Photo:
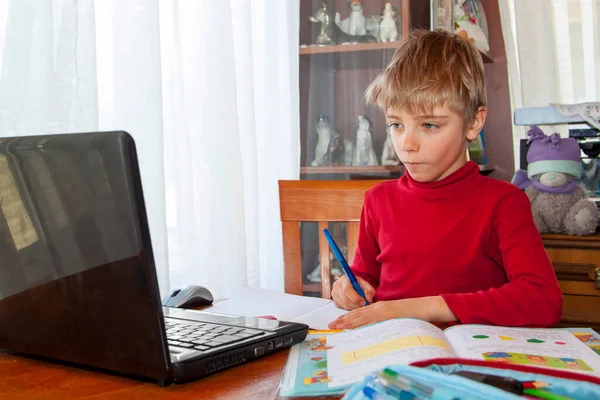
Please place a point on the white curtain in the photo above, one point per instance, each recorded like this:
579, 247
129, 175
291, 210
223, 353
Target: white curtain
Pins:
208, 89
553, 53
232, 123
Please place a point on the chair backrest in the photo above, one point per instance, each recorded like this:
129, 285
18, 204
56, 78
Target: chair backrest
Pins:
319, 201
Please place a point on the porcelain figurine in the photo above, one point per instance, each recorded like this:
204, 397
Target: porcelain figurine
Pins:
442, 15
322, 16
388, 155
348, 152
363, 151
335, 151
388, 31
331, 33
340, 151
372, 25
467, 28
336, 269
355, 24
323, 131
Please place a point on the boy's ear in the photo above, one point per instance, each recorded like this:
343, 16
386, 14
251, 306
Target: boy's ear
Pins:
477, 124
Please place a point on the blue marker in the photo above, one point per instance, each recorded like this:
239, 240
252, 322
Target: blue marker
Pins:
373, 394
344, 264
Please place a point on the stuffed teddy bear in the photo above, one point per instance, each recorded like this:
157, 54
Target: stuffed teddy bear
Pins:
558, 203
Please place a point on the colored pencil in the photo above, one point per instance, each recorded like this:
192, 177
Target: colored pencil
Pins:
534, 385
543, 394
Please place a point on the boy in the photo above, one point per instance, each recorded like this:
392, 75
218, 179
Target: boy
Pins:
443, 243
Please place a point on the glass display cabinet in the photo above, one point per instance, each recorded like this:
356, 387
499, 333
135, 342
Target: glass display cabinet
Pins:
344, 45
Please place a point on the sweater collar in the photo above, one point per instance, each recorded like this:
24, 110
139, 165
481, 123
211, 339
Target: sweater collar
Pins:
454, 185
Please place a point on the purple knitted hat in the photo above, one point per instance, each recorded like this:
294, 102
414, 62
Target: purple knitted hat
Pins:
552, 154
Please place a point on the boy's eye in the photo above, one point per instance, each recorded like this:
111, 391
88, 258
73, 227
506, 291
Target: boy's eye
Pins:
394, 125
429, 126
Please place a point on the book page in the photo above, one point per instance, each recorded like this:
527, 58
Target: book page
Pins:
251, 302
305, 372
551, 348
320, 318
354, 354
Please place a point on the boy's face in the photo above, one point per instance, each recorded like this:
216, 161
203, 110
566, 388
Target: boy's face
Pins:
432, 146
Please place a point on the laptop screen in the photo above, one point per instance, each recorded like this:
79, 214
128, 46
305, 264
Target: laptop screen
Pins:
77, 278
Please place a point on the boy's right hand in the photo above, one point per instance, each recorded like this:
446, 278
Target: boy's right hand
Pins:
344, 296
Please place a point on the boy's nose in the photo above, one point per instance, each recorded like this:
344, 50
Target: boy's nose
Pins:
410, 142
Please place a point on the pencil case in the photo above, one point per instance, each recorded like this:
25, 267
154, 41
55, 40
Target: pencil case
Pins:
437, 374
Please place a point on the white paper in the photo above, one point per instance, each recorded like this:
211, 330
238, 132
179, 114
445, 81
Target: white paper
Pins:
321, 317
557, 349
359, 352
288, 377
249, 302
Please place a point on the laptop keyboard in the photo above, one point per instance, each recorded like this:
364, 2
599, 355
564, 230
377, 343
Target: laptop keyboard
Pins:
205, 336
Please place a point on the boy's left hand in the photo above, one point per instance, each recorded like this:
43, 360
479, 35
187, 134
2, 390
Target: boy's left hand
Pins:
374, 312
426, 308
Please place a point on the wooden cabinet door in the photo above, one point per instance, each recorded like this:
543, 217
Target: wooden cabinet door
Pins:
576, 262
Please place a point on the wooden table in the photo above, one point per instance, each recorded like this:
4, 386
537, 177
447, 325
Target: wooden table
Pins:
25, 378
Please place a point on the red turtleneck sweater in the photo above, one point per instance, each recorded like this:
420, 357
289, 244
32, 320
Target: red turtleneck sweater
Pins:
468, 238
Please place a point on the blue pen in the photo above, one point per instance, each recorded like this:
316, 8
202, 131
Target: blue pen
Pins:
344, 264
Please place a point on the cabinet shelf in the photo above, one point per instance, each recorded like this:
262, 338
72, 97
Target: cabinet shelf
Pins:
343, 48
352, 169
356, 169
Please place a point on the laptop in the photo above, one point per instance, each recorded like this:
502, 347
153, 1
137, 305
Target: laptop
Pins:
77, 276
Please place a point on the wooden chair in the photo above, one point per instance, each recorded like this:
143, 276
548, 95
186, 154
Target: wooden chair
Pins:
322, 202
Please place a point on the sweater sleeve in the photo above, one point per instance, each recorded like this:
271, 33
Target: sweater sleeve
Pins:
532, 295
365, 264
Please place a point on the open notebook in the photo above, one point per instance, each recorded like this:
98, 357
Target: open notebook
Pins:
312, 311
326, 364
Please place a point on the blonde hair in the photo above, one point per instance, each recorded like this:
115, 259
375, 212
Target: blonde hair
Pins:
431, 69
